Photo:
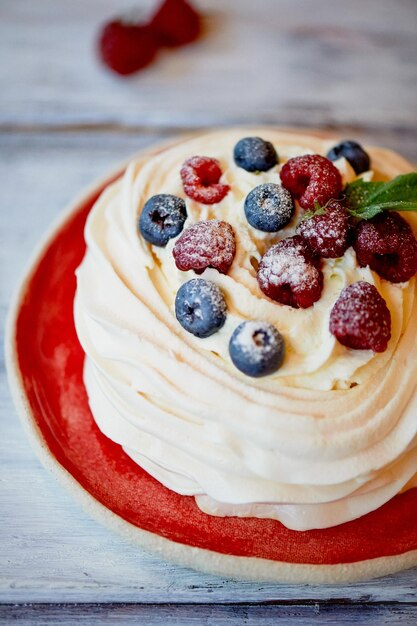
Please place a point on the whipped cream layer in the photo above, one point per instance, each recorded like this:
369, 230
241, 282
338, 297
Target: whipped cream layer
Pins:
329, 437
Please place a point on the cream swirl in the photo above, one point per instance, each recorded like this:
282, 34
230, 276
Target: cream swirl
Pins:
329, 437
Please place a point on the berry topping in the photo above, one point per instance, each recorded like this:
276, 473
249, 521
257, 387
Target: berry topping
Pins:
200, 177
311, 178
327, 234
162, 218
386, 243
290, 273
210, 243
176, 23
254, 154
269, 207
360, 318
353, 153
256, 348
200, 307
125, 47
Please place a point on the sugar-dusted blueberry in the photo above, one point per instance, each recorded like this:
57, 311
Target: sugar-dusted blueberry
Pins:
254, 154
257, 348
269, 207
162, 218
200, 307
353, 153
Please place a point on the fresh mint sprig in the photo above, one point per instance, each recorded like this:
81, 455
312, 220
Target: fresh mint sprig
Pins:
364, 200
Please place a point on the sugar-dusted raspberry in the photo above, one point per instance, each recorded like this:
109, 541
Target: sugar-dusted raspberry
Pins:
290, 273
311, 178
200, 178
125, 47
210, 243
176, 23
360, 318
328, 234
386, 243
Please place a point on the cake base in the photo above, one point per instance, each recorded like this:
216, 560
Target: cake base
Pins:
45, 363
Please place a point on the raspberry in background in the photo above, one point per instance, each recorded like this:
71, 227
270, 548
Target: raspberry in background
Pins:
176, 23
125, 47
360, 318
386, 243
311, 178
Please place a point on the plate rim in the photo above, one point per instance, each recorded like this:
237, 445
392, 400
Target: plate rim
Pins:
243, 568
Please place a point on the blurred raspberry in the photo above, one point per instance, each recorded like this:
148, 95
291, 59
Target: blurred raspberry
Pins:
176, 23
125, 47
360, 318
386, 243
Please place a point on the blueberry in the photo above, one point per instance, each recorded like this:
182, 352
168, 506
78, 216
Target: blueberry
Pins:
256, 348
354, 153
162, 218
200, 307
254, 154
269, 207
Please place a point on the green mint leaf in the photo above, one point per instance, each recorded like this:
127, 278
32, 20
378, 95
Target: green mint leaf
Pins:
358, 193
318, 210
366, 199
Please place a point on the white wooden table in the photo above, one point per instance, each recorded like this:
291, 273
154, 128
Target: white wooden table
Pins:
63, 122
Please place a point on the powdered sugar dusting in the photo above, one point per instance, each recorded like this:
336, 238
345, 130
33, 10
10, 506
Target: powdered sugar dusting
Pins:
386, 243
209, 243
360, 318
289, 274
200, 290
200, 176
311, 178
257, 339
327, 234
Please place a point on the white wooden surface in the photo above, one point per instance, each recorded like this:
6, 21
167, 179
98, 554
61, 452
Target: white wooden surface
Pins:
63, 122
293, 61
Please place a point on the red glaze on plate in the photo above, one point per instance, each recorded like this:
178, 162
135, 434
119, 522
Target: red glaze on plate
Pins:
48, 361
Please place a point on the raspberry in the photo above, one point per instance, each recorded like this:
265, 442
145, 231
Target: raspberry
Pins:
200, 177
386, 243
327, 234
290, 273
311, 178
176, 23
360, 318
210, 243
126, 48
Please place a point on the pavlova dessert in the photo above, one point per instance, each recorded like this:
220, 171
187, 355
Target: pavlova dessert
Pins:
247, 306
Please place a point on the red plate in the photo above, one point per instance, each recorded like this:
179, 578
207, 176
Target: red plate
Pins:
45, 366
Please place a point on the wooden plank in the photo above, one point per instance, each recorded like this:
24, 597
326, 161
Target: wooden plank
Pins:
203, 615
51, 551
280, 62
